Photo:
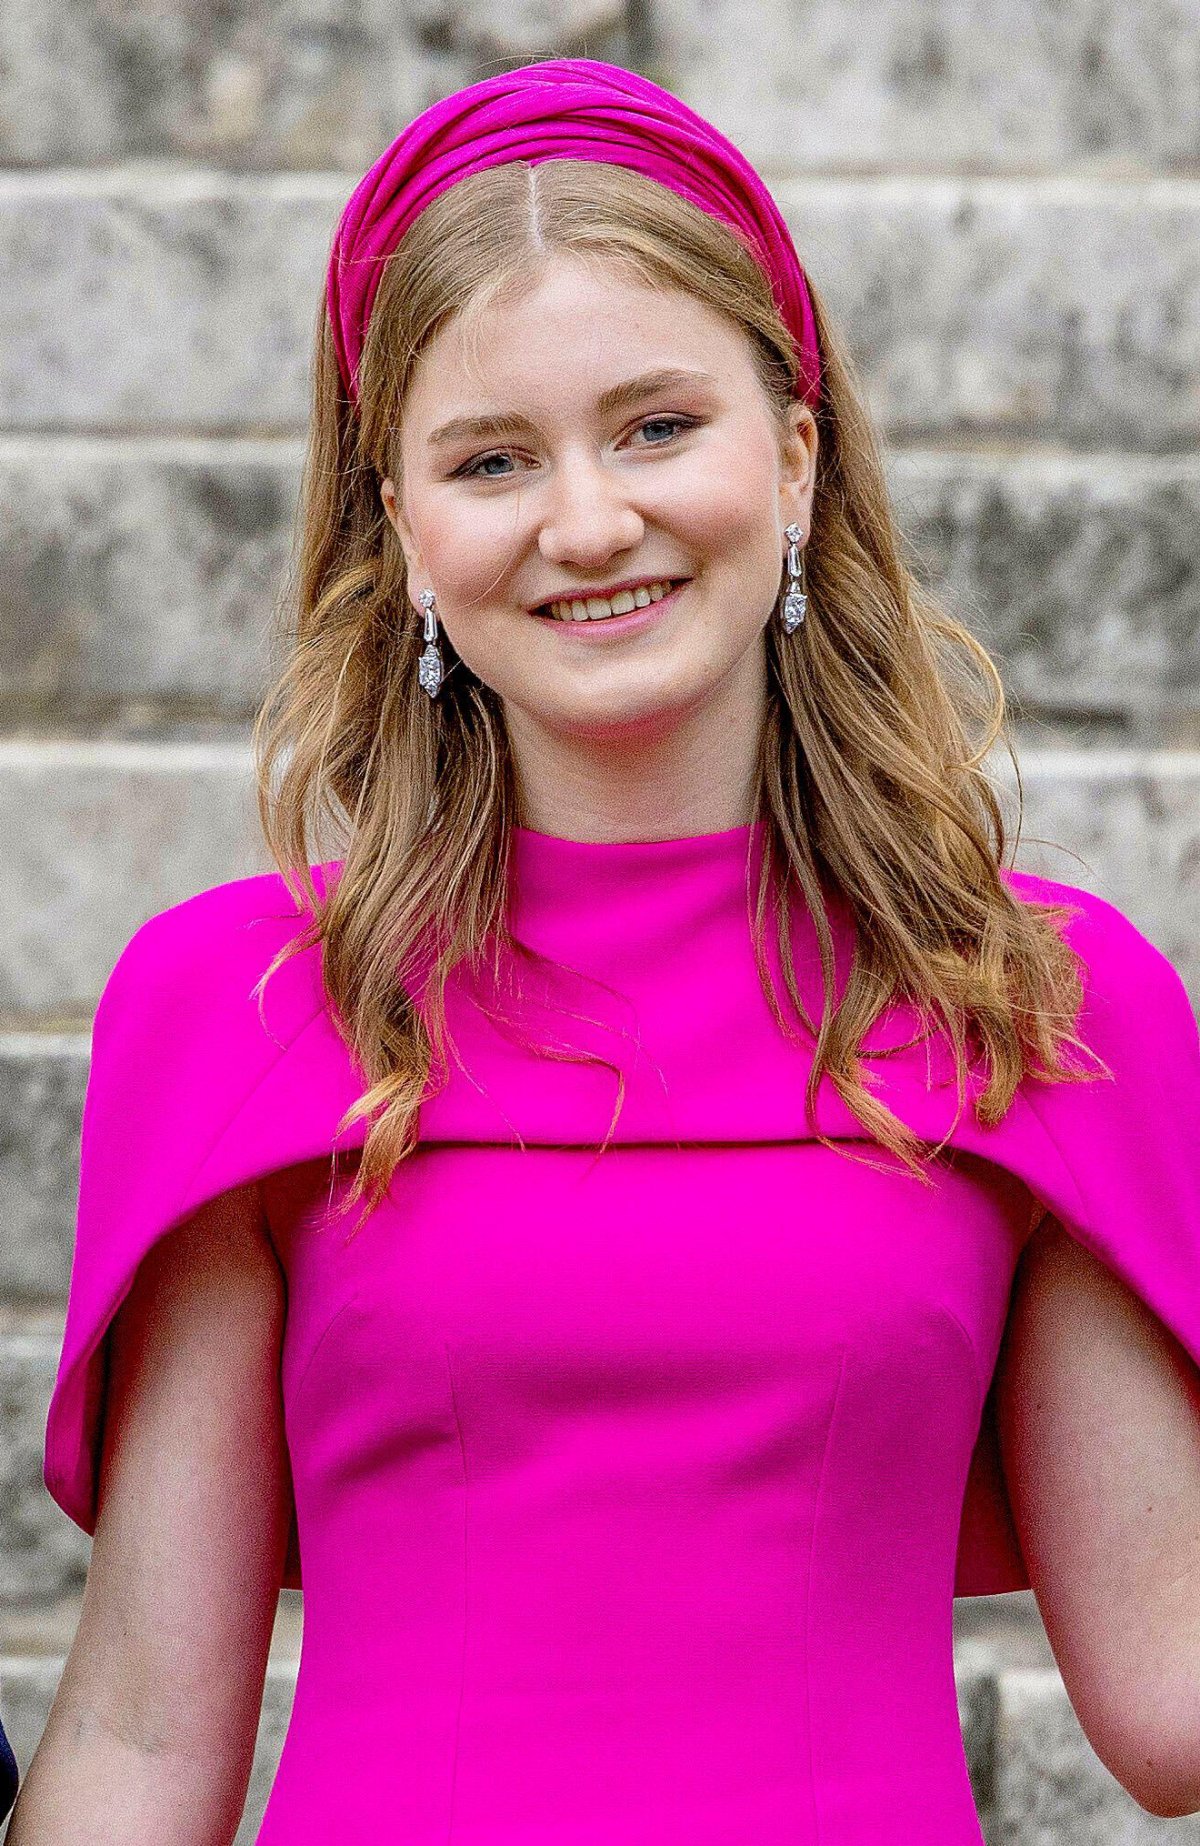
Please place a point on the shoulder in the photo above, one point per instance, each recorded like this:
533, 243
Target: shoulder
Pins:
1117, 956
1130, 985
209, 947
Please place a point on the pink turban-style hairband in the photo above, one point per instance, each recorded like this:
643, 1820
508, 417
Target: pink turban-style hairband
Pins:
564, 109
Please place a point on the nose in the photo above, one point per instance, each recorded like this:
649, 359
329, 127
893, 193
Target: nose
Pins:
589, 516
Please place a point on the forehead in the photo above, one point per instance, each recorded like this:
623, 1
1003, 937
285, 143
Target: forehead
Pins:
567, 336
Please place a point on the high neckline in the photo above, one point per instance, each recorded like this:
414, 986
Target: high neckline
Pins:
535, 839
554, 876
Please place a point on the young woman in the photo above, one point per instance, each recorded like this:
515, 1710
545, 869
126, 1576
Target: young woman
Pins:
665, 1206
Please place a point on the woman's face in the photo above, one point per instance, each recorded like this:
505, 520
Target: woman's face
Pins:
597, 437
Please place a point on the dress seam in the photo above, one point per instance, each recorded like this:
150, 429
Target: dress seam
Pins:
808, 1596
298, 1387
462, 1678
957, 1324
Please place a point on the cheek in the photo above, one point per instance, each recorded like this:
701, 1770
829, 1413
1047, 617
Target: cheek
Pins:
728, 501
469, 552
467, 549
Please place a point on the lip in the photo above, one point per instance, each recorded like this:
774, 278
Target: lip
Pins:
608, 591
612, 627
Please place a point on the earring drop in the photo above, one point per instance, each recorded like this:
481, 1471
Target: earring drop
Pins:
429, 666
795, 601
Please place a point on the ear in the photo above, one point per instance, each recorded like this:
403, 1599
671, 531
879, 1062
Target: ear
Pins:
798, 466
399, 525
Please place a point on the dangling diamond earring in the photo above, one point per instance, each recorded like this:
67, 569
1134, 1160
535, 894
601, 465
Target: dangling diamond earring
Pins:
795, 600
429, 666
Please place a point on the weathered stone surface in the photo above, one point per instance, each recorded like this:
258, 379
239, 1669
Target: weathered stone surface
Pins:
43, 1556
941, 85
1057, 308
194, 298
42, 1079
1007, 1629
99, 837
141, 572
932, 84
142, 575
1079, 573
27, 1687
278, 1695
975, 1683
1126, 826
306, 84
1051, 1787
1013, 308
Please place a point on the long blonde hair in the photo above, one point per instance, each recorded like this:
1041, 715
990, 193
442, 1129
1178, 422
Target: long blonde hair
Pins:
869, 782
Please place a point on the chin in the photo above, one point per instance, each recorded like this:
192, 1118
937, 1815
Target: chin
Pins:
648, 715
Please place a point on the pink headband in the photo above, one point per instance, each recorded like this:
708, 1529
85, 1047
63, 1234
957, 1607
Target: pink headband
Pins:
565, 109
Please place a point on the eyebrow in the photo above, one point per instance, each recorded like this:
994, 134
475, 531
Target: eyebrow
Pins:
617, 397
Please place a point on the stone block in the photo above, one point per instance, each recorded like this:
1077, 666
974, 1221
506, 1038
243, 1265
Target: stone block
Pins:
1018, 310
194, 298
975, 1683
938, 85
43, 1555
141, 577
932, 84
1125, 825
42, 1079
307, 84
1077, 572
104, 835
1057, 309
278, 1696
28, 1683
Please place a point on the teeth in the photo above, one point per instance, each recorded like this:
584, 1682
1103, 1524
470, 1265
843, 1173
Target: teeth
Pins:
597, 608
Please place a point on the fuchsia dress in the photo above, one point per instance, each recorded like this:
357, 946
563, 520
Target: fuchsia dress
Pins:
632, 1491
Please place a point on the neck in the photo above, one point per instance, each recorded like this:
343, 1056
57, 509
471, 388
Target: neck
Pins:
650, 779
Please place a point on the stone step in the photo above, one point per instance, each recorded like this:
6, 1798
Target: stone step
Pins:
101, 835
141, 575
1035, 1778
1086, 85
1055, 309
1041, 89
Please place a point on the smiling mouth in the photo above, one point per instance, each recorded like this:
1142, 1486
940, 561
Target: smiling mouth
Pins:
621, 602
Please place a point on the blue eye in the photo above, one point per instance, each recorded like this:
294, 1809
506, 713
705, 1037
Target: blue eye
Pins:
477, 468
671, 423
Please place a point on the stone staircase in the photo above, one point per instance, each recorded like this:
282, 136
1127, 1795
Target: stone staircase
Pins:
1002, 208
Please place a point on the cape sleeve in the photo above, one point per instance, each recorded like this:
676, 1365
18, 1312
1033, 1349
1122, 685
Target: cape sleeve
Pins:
188, 1095
1117, 1162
